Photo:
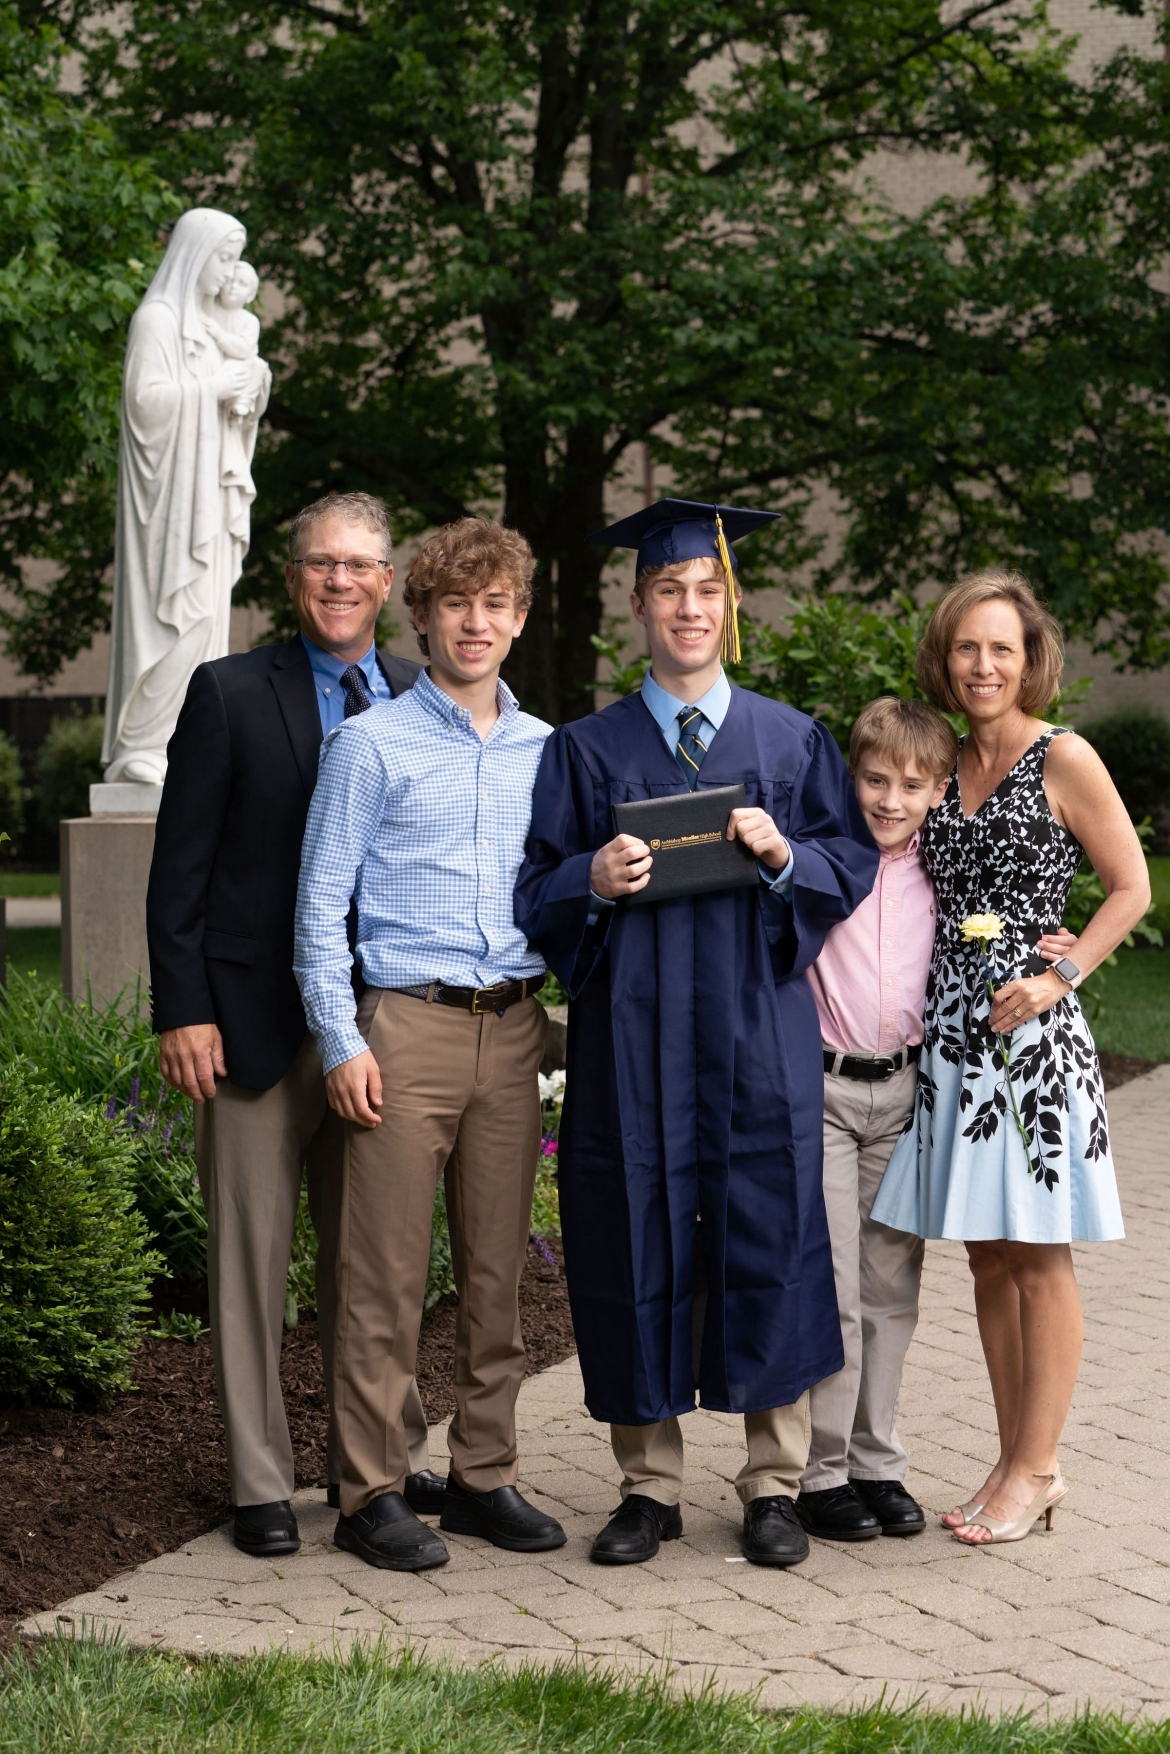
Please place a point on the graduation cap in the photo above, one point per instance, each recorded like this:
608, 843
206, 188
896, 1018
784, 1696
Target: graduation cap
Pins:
676, 530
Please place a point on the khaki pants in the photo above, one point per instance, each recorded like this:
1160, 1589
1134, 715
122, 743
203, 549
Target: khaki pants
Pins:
459, 1092
252, 1147
877, 1272
651, 1456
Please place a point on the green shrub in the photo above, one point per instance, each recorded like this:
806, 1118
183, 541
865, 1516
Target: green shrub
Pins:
75, 1265
11, 795
70, 761
1134, 744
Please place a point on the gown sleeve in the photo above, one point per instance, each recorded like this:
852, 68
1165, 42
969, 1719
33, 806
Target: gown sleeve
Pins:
553, 900
835, 860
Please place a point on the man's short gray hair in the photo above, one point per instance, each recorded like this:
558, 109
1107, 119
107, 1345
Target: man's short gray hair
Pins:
355, 508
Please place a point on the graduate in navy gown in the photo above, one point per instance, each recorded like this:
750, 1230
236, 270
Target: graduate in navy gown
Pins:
696, 1246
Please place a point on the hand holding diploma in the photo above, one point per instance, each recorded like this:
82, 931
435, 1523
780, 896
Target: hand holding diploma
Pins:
621, 867
757, 831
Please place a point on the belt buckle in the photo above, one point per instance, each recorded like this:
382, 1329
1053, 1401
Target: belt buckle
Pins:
883, 1067
476, 1009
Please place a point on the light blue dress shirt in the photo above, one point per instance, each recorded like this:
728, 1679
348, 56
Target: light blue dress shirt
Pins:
327, 673
665, 709
425, 823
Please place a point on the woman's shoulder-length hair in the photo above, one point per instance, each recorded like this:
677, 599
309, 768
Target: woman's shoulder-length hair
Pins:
1043, 640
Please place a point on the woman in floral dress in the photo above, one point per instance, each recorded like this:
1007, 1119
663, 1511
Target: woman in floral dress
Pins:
1014, 1163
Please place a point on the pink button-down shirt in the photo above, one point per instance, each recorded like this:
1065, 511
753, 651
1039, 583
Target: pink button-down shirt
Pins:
869, 981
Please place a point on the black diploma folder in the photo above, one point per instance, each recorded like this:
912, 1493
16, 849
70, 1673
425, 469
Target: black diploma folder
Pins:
687, 836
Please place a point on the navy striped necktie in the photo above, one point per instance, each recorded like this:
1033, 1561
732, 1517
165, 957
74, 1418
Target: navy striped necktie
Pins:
689, 751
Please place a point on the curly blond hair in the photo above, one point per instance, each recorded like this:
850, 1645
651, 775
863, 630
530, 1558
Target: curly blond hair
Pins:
469, 555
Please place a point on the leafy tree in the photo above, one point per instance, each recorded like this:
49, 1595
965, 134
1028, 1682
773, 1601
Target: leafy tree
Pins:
78, 228
517, 238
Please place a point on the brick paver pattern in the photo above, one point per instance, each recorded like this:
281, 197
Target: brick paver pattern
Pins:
1053, 1622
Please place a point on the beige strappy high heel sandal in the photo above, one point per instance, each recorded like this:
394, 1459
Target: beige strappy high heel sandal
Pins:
1023, 1524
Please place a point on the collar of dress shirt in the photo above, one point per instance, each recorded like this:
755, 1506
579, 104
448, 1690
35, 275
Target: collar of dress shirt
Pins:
664, 708
908, 852
436, 700
329, 669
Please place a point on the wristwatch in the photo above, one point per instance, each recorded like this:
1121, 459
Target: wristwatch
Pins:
1068, 972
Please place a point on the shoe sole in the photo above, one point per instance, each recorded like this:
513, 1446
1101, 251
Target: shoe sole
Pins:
454, 1522
269, 1549
350, 1543
774, 1560
908, 1529
631, 1558
859, 1535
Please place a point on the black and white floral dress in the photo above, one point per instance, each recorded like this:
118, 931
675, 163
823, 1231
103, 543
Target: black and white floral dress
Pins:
962, 1168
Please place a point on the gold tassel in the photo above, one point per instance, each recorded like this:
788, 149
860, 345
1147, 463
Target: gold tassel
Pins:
731, 652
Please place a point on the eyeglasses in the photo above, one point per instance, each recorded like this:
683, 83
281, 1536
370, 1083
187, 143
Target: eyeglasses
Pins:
319, 566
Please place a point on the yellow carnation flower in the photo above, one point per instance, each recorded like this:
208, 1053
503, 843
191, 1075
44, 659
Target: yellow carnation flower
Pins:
981, 929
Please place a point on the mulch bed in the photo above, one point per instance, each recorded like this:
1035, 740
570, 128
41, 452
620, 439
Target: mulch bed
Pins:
91, 1492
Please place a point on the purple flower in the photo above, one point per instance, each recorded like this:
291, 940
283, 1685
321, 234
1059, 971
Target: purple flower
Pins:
135, 1090
544, 1251
111, 1108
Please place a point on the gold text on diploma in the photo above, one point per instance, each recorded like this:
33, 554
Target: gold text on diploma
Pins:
686, 840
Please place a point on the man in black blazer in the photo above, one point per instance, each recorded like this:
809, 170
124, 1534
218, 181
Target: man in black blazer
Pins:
242, 765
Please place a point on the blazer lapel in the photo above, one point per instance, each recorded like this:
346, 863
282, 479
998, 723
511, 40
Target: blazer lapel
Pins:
400, 673
292, 678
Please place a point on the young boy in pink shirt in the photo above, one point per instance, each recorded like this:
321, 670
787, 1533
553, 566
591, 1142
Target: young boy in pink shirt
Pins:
869, 983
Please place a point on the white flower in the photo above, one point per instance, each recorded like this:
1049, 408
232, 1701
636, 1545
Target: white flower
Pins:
981, 928
552, 1088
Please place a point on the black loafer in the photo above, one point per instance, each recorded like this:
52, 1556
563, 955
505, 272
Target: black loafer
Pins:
424, 1492
503, 1517
892, 1505
837, 1514
772, 1534
386, 1533
265, 1530
632, 1534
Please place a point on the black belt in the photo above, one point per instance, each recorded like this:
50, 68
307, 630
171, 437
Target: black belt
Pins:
870, 1068
477, 1000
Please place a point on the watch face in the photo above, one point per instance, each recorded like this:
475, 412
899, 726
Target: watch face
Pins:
1068, 971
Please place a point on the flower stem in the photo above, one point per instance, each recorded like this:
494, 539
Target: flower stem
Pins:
1005, 1056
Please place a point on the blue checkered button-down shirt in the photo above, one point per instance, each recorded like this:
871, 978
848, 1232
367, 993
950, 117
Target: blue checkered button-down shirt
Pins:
425, 824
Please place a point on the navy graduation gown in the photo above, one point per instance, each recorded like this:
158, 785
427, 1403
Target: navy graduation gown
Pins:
695, 1080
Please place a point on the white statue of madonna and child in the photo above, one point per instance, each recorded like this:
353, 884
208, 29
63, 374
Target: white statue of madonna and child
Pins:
193, 390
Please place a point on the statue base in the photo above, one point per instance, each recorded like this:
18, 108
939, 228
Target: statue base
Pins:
124, 798
105, 864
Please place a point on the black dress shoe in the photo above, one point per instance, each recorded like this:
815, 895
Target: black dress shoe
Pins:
389, 1535
896, 1511
333, 1497
837, 1514
503, 1517
424, 1492
265, 1530
772, 1534
632, 1534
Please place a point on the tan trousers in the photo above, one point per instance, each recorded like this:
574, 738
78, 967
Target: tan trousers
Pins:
877, 1271
252, 1147
651, 1456
459, 1092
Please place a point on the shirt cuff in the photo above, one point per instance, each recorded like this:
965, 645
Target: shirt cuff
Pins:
341, 1044
780, 882
597, 902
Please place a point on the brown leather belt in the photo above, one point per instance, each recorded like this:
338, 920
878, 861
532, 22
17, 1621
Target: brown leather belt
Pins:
477, 1000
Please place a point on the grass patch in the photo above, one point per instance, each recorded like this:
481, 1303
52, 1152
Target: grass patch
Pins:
107, 1700
45, 882
1136, 999
36, 950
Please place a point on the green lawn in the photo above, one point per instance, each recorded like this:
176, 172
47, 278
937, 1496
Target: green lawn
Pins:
36, 950
45, 882
1160, 884
106, 1700
1136, 999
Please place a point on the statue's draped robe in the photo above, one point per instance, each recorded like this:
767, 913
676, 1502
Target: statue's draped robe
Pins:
695, 1079
183, 508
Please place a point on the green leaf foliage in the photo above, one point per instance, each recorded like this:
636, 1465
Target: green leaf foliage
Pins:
75, 1265
78, 244
1134, 744
69, 761
516, 242
12, 794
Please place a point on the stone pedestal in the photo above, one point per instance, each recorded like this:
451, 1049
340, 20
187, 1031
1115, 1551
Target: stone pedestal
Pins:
124, 798
105, 863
